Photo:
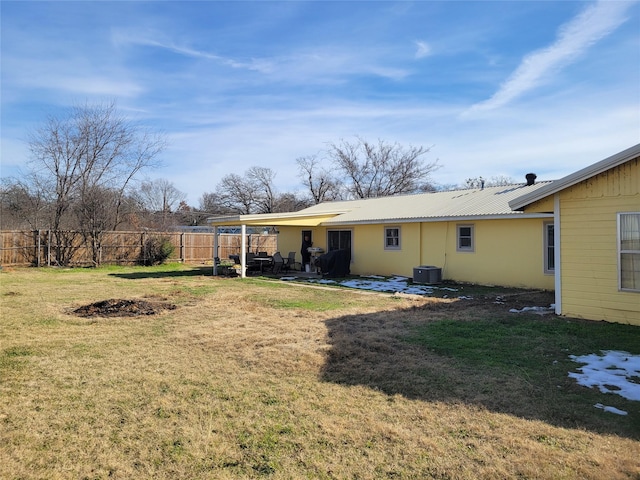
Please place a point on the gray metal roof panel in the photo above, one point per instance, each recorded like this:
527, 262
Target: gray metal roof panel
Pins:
490, 201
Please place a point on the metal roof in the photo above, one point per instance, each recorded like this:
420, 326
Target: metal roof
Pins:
454, 205
592, 170
490, 202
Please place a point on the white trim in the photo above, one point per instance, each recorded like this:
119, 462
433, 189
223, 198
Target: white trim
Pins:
243, 251
545, 245
386, 237
215, 250
557, 249
619, 249
472, 236
469, 218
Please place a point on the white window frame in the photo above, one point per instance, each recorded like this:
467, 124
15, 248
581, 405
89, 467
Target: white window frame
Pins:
625, 251
466, 249
548, 255
396, 239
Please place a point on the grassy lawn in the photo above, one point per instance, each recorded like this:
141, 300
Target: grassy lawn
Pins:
258, 378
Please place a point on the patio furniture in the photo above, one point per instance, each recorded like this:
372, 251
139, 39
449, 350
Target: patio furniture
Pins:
264, 262
251, 264
277, 264
290, 262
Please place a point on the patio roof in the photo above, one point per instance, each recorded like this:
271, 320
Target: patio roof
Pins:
293, 219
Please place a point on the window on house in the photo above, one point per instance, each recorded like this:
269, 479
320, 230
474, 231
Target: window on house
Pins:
465, 238
392, 238
338, 239
549, 248
629, 251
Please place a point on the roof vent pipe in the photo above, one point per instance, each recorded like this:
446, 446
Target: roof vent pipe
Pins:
531, 178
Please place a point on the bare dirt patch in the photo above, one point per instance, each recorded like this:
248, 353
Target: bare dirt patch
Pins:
122, 308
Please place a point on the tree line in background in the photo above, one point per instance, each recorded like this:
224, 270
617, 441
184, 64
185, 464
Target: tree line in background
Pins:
83, 175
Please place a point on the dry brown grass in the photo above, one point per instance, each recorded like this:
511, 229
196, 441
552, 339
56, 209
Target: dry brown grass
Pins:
247, 379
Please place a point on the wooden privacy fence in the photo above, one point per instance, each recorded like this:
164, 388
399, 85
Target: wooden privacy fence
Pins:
37, 248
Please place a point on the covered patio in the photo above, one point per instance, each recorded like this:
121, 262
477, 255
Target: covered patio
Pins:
293, 222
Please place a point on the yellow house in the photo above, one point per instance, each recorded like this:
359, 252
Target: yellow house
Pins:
471, 235
596, 233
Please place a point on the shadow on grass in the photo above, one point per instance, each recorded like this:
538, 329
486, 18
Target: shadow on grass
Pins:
192, 272
520, 368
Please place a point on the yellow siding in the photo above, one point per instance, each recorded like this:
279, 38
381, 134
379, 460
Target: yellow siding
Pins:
370, 256
508, 252
544, 205
290, 239
589, 260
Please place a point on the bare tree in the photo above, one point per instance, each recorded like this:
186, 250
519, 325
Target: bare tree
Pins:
160, 195
290, 202
96, 213
212, 203
261, 180
236, 194
252, 193
21, 206
381, 169
90, 149
320, 183
160, 199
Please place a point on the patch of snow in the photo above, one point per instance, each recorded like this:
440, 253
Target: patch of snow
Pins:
609, 409
539, 310
395, 284
612, 372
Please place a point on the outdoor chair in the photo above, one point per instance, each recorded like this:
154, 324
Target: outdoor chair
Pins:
277, 264
252, 265
290, 262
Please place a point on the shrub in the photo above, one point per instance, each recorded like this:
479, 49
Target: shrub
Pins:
155, 251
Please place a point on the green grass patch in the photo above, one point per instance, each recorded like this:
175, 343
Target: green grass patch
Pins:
13, 358
524, 341
534, 352
313, 304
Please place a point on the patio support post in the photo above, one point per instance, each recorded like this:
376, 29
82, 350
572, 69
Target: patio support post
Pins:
215, 250
243, 251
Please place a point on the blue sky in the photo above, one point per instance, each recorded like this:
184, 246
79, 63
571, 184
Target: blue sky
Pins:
494, 88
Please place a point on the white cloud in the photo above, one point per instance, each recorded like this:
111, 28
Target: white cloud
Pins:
574, 38
423, 49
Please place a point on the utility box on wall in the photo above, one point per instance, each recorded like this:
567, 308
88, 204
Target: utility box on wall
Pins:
427, 274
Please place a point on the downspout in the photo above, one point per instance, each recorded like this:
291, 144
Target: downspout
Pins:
556, 253
243, 251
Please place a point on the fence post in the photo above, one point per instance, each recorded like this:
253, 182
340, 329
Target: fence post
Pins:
49, 248
144, 250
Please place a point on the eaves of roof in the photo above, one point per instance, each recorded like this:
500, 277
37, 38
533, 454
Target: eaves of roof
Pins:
460, 218
576, 177
275, 219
